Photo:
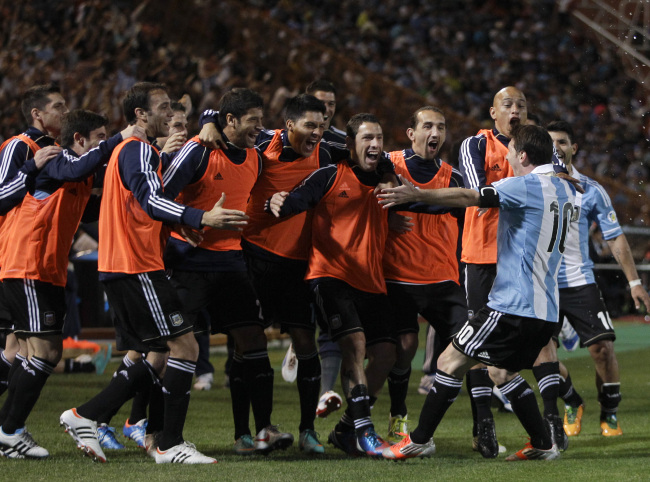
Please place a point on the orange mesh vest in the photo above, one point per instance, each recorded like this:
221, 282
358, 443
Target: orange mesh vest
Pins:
129, 240
221, 176
349, 234
288, 237
34, 147
41, 233
427, 254
480, 233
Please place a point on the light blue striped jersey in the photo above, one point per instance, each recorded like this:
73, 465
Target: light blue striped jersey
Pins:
595, 206
537, 210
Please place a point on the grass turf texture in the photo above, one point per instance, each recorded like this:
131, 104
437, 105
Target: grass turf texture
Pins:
209, 426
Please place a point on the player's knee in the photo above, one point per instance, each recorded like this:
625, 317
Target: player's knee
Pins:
184, 347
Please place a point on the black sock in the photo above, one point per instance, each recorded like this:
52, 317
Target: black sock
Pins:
548, 382
524, 405
308, 381
140, 403
398, 385
121, 388
568, 393
346, 423
609, 398
107, 416
28, 390
156, 419
5, 367
177, 384
239, 398
479, 388
258, 378
359, 406
443, 393
15, 372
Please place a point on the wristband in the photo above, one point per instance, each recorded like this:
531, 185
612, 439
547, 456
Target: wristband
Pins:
635, 282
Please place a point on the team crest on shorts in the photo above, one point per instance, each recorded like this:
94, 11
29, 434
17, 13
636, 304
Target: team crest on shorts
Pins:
49, 318
335, 322
176, 319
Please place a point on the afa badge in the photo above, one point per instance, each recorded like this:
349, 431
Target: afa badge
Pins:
611, 216
176, 319
49, 318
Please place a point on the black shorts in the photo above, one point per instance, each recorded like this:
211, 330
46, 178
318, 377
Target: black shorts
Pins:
443, 305
505, 341
37, 308
146, 311
347, 310
479, 279
6, 323
586, 311
284, 296
227, 296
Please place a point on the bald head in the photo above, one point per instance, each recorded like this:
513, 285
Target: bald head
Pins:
508, 109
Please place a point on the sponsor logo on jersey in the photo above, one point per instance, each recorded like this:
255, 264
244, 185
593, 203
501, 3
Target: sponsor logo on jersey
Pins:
343, 194
176, 319
218, 177
50, 318
495, 168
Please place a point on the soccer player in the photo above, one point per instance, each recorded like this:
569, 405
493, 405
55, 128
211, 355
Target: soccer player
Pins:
347, 243
330, 353
482, 162
35, 267
144, 303
213, 276
580, 298
177, 129
420, 264
537, 208
21, 157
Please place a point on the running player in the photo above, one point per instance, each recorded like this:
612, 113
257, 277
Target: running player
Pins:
521, 314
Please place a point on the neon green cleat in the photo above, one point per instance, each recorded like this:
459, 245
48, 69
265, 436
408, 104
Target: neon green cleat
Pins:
397, 429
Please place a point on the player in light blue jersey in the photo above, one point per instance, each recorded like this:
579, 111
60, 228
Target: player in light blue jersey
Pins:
582, 304
537, 211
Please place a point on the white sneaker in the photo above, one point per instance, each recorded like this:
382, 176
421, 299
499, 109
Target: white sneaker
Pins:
204, 382
328, 402
84, 432
290, 365
270, 438
21, 445
184, 453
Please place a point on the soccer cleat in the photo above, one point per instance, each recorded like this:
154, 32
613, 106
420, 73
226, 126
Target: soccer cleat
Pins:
309, 443
183, 453
290, 365
486, 439
136, 432
106, 436
204, 382
371, 444
270, 438
21, 445
328, 402
531, 453
345, 441
84, 432
407, 449
610, 427
426, 382
397, 429
573, 419
102, 357
568, 336
556, 429
244, 445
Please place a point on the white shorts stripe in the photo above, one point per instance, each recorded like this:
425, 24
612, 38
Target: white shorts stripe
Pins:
154, 304
474, 343
32, 306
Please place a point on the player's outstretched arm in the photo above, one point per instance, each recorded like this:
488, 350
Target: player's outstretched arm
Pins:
623, 254
211, 137
220, 218
407, 193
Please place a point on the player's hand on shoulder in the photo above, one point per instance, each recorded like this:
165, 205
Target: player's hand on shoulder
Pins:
42, 156
211, 137
227, 219
134, 131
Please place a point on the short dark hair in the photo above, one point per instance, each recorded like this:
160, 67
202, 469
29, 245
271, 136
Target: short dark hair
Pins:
138, 97
36, 97
322, 85
535, 118
413, 122
352, 127
535, 141
561, 126
177, 107
81, 121
299, 105
237, 102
